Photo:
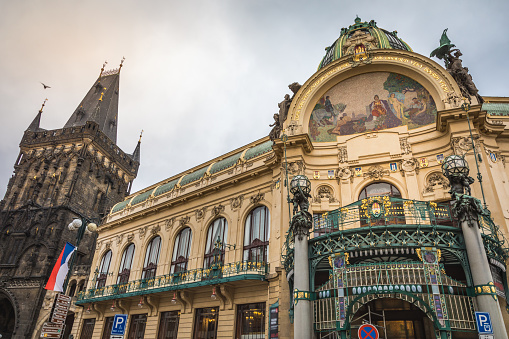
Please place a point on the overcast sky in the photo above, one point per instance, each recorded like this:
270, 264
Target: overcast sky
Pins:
202, 78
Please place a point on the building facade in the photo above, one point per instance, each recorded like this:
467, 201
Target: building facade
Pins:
209, 253
72, 172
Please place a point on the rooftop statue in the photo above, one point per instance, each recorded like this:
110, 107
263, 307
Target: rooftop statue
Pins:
454, 66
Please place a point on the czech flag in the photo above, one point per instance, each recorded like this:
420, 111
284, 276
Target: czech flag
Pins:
57, 277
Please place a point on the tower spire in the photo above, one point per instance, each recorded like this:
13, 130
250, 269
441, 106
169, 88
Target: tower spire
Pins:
35, 125
100, 104
136, 153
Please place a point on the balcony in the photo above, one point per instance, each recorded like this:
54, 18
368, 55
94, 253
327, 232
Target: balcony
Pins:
217, 274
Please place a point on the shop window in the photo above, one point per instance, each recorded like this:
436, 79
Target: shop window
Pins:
137, 327
103, 270
181, 250
256, 235
125, 265
251, 321
88, 329
218, 230
151, 258
205, 324
108, 325
169, 324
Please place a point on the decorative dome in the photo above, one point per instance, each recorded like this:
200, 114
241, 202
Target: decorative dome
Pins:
358, 39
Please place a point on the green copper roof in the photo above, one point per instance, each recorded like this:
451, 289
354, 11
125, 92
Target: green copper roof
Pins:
141, 197
120, 206
501, 109
383, 40
225, 163
258, 150
191, 177
166, 187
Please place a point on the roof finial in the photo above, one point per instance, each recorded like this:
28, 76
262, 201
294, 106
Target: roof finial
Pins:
141, 134
102, 69
43, 104
121, 64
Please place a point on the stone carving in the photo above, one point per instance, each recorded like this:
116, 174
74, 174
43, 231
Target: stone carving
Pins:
284, 106
405, 146
454, 66
236, 202
302, 220
462, 145
108, 245
275, 132
293, 127
155, 229
344, 173
324, 192
257, 198
168, 224
119, 238
435, 181
184, 220
361, 42
216, 210
376, 172
409, 165
342, 154
130, 237
295, 168
453, 99
142, 232
200, 213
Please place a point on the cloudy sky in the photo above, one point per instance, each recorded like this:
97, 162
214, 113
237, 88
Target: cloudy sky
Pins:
202, 78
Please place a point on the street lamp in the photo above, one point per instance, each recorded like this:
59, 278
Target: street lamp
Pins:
300, 186
83, 226
455, 168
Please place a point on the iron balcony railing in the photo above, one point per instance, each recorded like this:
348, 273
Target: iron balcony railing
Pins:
216, 274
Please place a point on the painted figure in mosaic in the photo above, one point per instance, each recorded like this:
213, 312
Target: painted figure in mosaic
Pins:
382, 114
397, 106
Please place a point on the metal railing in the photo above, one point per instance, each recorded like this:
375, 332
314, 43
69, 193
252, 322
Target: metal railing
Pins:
198, 277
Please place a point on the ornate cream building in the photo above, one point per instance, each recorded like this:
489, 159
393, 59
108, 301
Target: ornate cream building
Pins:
207, 253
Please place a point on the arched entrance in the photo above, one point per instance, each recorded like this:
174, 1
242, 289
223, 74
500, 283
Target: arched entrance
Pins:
395, 319
7, 317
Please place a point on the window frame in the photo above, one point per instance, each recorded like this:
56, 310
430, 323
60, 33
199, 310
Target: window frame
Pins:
253, 244
179, 264
103, 274
149, 267
123, 271
208, 257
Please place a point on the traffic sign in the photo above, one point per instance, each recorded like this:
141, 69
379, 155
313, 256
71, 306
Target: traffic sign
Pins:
483, 320
368, 331
119, 323
486, 336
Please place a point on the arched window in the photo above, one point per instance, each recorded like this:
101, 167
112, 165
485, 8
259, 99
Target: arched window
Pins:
72, 288
181, 250
103, 270
218, 230
382, 189
151, 258
125, 265
256, 235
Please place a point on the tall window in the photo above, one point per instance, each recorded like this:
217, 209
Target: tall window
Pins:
218, 230
251, 321
137, 327
151, 258
205, 324
88, 329
125, 265
256, 235
181, 250
169, 324
108, 325
103, 270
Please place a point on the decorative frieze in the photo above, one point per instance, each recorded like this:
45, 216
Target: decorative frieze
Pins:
184, 220
376, 172
435, 181
216, 210
405, 146
236, 202
168, 223
200, 213
344, 173
257, 198
324, 192
342, 154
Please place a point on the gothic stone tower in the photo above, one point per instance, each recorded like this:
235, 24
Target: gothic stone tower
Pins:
59, 174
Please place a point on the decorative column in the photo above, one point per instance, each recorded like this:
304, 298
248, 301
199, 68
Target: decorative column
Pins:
301, 223
467, 210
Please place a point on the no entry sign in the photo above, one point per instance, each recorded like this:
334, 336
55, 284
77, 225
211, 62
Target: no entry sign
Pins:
368, 331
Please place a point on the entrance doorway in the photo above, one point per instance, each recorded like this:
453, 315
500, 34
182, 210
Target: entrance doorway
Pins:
394, 319
7, 317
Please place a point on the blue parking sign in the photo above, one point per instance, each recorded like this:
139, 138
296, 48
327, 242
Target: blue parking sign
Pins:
483, 323
119, 324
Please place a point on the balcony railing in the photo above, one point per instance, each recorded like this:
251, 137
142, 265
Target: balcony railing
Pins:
216, 274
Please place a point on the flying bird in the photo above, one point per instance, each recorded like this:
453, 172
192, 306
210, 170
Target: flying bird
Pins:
45, 86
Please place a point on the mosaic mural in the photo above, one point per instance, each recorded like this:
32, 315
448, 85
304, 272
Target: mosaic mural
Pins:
371, 102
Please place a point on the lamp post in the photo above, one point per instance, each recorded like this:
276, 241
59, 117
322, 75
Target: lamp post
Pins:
301, 223
83, 226
468, 210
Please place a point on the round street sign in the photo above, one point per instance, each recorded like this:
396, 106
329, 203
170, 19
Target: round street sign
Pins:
368, 331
